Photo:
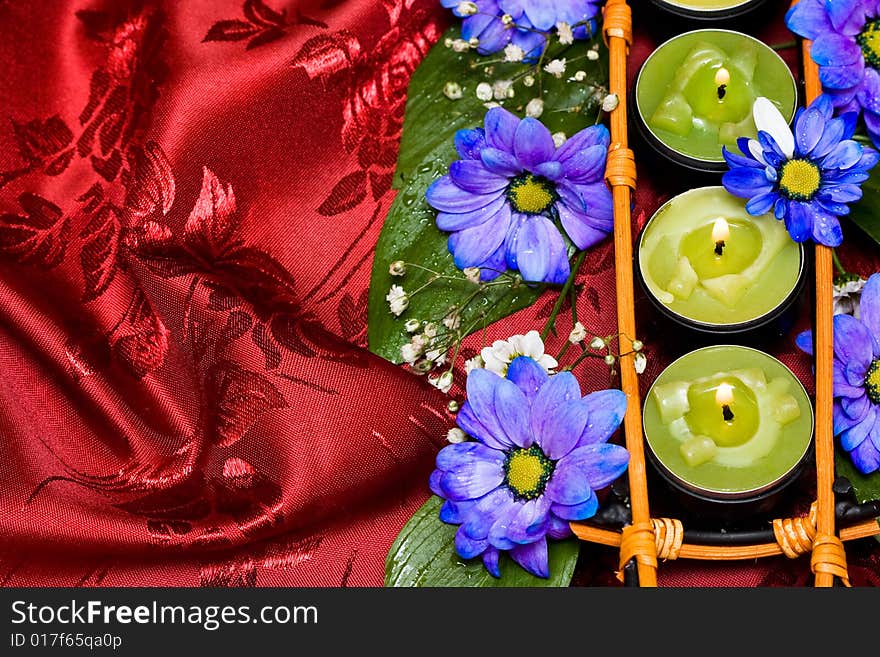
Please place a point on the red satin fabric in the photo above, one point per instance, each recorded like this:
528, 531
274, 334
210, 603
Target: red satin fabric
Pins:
189, 198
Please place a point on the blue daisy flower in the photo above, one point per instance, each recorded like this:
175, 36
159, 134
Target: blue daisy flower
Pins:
857, 378
504, 199
806, 178
846, 46
539, 456
532, 19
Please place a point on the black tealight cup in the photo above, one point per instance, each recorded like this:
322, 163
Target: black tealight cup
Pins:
735, 9
654, 79
775, 322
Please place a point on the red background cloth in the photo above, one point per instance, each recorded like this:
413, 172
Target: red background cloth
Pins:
189, 198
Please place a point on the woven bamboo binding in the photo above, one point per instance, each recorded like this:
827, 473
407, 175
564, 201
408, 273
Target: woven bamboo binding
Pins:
647, 539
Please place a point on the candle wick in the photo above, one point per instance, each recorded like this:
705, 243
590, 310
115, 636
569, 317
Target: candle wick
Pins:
719, 247
727, 413
722, 91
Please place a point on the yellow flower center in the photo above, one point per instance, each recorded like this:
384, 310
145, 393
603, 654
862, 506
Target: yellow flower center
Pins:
799, 179
869, 40
872, 382
527, 472
530, 194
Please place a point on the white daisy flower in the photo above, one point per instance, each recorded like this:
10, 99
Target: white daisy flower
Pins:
502, 352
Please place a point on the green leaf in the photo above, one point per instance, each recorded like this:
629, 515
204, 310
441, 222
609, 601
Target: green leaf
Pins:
427, 149
865, 487
866, 212
423, 554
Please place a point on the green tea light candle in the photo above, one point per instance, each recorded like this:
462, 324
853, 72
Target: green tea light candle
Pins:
728, 422
694, 94
709, 265
709, 10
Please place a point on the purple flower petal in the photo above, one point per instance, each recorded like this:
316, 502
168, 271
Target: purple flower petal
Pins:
527, 375
528, 524
467, 420
842, 386
512, 408
605, 411
480, 386
533, 557
736, 160
452, 222
501, 128
580, 511
550, 170
852, 340
469, 143
531, 244
483, 514
579, 228
490, 561
500, 162
467, 547
453, 456
559, 267
587, 165
473, 177
471, 480
533, 143
856, 408
531, 42
600, 463
809, 127
847, 16
558, 432
853, 437
558, 528
843, 156
541, 13
804, 342
831, 136
558, 390
842, 77
808, 18
453, 513
568, 485
798, 221
866, 457
434, 482
761, 204
869, 305
746, 182
596, 135
833, 49
493, 38
446, 196
472, 247
826, 228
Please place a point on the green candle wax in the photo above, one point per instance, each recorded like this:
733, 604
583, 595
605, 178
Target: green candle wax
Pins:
765, 434
757, 269
680, 99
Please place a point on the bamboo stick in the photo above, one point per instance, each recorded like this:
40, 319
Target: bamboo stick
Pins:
632, 422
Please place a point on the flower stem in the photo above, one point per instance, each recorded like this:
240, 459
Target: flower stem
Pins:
551, 321
785, 45
837, 263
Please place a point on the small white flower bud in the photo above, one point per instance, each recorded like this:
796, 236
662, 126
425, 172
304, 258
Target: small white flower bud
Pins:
472, 274
640, 362
397, 299
455, 435
448, 42
556, 67
529, 81
473, 42
535, 108
559, 138
460, 45
592, 55
484, 91
565, 33
412, 325
578, 333
507, 19
397, 268
513, 53
409, 353
473, 363
580, 76
637, 345
423, 366
453, 406
452, 90
597, 343
467, 8
431, 330
444, 382
609, 359
502, 89
610, 103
